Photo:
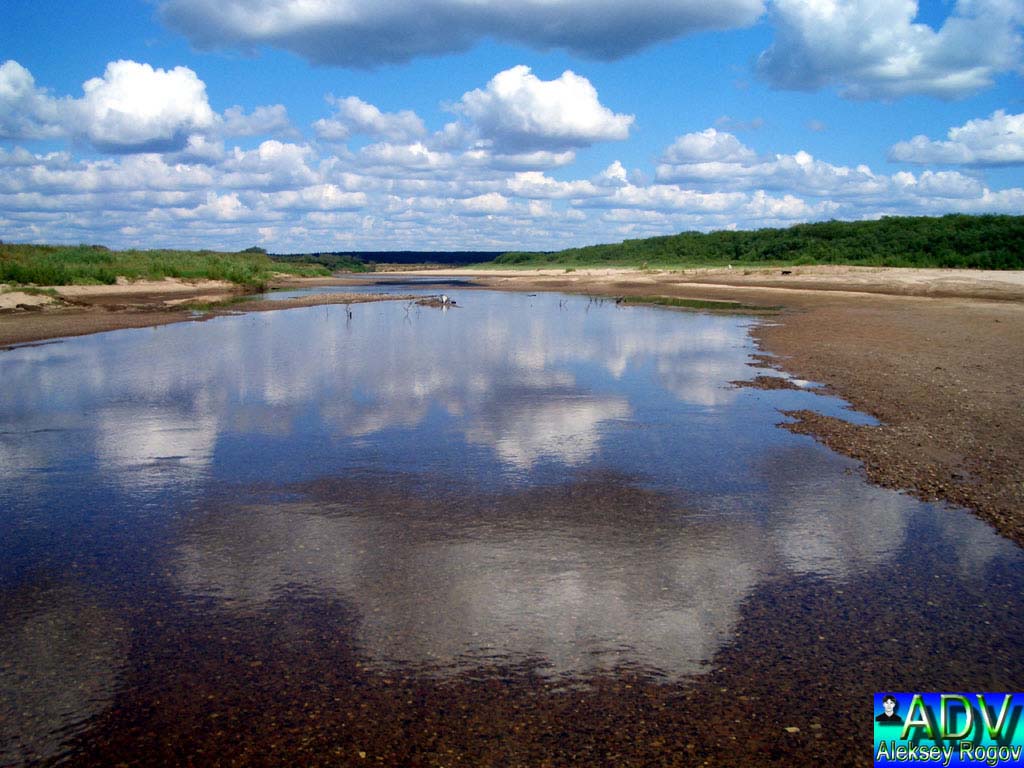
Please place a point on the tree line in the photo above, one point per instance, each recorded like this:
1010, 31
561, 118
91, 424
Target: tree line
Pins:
955, 240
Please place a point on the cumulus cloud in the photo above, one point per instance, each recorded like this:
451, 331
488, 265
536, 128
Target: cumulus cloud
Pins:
614, 175
667, 197
319, 197
26, 112
486, 180
523, 160
272, 165
998, 140
535, 185
519, 110
716, 162
361, 34
405, 159
708, 146
136, 108
355, 116
484, 205
719, 159
262, 121
874, 49
131, 108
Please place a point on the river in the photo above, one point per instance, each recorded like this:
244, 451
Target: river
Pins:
523, 530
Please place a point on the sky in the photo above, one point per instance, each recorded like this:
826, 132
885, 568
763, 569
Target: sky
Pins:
333, 125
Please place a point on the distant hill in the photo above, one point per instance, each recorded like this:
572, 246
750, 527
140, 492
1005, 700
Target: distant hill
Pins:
956, 240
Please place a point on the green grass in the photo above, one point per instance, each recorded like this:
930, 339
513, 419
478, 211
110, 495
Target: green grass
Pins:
97, 265
956, 240
701, 304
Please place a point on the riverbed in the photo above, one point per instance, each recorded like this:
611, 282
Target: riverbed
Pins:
520, 530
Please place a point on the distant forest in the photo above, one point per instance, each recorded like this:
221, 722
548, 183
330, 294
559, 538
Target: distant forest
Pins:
362, 261
979, 242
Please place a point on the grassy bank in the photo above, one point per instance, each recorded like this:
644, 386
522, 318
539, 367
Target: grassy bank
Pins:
97, 265
954, 241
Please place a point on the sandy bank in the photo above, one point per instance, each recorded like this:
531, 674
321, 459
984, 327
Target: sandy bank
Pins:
949, 283
168, 285
11, 301
82, 310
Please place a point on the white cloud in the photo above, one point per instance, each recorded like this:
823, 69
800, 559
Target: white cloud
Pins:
54, 174
483, 181
355, 116
523, 160
535, 185
708, 146
26, 112
262, 121
518, 110
354, 33
840, 190
874, 49
272, 165
949, 185
613, 176
131, 108
715, 158
200, 149
763, 206
19, 157
664, 197
226, 207
136, 108
999, 140
323, 197
482, 205
404, 159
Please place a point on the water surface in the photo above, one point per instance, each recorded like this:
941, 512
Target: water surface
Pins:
524, 529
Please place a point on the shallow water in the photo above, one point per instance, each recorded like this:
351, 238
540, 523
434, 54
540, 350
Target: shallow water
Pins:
523, 529
427, 285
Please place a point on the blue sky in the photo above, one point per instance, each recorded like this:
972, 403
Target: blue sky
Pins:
476, 124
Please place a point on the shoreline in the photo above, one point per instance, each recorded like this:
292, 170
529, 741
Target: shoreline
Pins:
940, 372
936, 356
85, 310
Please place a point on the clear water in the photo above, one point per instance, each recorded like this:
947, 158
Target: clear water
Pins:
544, 481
